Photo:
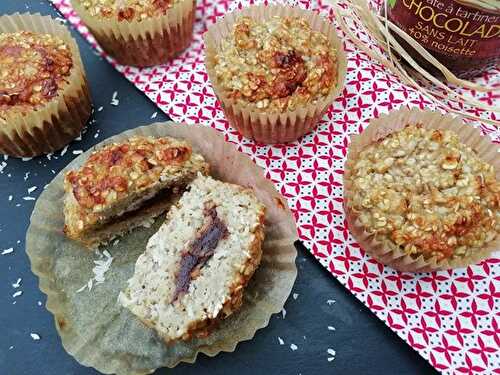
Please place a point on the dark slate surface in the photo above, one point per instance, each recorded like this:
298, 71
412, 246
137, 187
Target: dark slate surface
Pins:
362, 343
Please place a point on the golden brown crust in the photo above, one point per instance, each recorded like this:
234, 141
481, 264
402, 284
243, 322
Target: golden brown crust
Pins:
278, 64
426, 193
33, 69
150, 40
121, 177
127, 10
120, 169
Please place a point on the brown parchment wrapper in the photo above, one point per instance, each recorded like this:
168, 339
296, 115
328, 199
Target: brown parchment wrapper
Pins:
100, 333
381, 127
53, 125
272, 127
152, 41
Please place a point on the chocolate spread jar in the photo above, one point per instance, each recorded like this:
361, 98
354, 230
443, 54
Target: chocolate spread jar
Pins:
464, 35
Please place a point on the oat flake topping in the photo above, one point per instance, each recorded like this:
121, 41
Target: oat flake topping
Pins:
120, 169
424, 191
33, 67
277, 64
127, 10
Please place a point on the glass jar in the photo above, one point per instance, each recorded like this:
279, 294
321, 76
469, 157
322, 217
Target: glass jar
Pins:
464, 35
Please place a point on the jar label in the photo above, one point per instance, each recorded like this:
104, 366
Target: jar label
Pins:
448, 27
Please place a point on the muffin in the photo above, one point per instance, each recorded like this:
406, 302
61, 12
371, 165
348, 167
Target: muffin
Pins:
125, 185
423, 194
196, 267
275, 70
139, 32
44, 97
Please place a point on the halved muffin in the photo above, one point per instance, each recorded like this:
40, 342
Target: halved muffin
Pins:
197, 265
125, 185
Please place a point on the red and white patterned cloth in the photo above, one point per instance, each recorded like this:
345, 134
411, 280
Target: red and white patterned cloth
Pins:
451, 318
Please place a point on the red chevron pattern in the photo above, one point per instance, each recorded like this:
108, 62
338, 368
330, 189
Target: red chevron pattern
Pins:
451, 318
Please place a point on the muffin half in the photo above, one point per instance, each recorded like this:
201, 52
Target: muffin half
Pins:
139, 33
197, 265
125, 185
44, 97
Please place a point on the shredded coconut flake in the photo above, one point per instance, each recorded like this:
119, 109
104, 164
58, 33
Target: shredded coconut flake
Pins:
7, 251
26, 175
280, 340
294, 347
283, 313
2, 166
330, 301
29, 198
154, 115
10, 198
77, 152
32, 189
64, 150
295, 295
332, 353
330, 328
35, 336
26, 159
17, 284
100, 108
102, 265
17, 294
114, 99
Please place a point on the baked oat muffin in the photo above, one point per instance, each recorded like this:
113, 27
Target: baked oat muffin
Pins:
139, 32
425, 193
279, 64
195, 268
276, 65
44, 99
125, 185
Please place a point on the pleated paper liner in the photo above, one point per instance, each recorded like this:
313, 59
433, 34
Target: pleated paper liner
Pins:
393, 122
251, 122
101, 334
148, 42
56, 123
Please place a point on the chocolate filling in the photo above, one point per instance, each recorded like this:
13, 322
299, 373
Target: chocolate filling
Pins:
161, 196
200, 250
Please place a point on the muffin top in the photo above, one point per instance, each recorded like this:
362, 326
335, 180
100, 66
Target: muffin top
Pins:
121, 169
426, 193
33, 67
127, 10
277, 64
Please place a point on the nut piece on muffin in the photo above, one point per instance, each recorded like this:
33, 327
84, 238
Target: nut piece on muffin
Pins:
125, 185
275, 69
279, 64
424, 192
139, 32
44, 98
195, 268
